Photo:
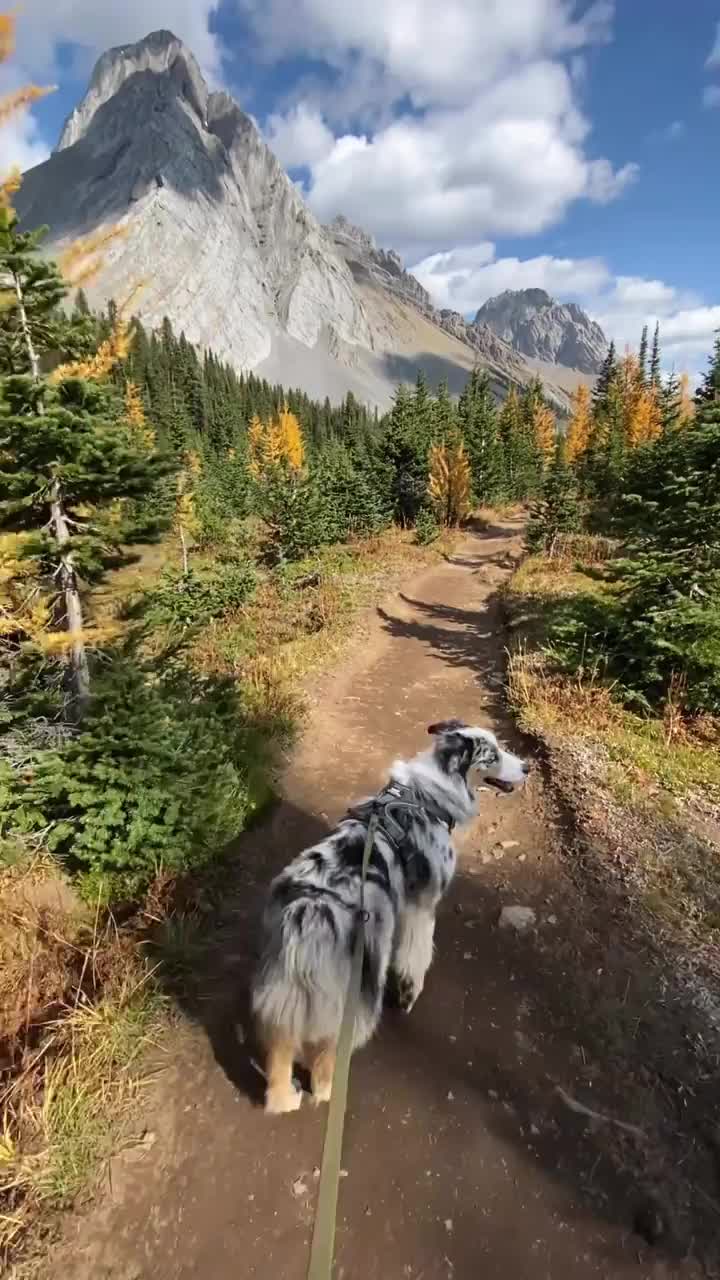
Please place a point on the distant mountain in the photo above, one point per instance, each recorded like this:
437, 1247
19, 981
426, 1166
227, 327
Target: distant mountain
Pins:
541, 328
223, 243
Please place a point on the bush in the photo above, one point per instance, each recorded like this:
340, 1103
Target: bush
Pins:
160, 776
192, 599
427, 529
557, 510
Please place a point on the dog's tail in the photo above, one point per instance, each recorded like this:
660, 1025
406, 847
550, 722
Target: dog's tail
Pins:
304, 973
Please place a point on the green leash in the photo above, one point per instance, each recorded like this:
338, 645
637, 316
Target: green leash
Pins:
323, 1241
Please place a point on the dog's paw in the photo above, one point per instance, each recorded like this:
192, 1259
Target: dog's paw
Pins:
321, 1092
405, 992
279, 1101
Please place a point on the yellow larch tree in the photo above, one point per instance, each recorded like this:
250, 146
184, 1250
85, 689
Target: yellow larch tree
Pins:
449, 482
274, 442
644, 423
544, 430
580, 425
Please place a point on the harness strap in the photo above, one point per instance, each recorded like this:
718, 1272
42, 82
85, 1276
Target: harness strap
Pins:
397, 800
323, 1241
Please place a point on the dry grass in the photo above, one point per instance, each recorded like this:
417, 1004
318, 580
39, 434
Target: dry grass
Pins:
77, 1011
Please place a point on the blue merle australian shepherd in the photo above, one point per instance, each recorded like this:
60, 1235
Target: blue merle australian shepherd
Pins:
312, 914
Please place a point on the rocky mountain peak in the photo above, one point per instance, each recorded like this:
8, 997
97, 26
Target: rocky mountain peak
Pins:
541, 328
158, 53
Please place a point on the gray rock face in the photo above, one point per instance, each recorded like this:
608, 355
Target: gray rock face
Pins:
484, 340
538, 326
216, 233
384, 266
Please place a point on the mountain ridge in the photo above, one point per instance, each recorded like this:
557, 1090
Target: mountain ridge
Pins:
224, 244
540, 327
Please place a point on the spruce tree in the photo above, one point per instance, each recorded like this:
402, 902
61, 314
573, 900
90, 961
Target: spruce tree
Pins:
557, 510
643, 357
478, 423
669, 623
607, 375
65, 447
654, 375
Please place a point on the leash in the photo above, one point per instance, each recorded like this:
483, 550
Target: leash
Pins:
323, 1241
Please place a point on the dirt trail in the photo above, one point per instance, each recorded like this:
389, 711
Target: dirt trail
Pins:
462, 1159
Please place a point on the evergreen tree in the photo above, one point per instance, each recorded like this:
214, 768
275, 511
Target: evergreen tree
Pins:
557, 509
643, 357
445, 418
405, 449
654, 376
65, 446
607, 375
477, 420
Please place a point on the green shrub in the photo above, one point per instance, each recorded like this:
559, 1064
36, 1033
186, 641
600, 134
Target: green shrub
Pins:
192, 599
427, 529
160, 776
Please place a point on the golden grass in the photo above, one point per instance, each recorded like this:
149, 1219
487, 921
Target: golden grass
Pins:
77, 1010
654, 781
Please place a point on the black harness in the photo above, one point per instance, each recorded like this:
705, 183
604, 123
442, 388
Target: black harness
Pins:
395, 806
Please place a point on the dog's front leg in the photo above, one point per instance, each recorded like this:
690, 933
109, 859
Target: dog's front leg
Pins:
413, 953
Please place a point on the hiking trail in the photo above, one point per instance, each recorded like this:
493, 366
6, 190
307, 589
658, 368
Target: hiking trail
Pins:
463, 1155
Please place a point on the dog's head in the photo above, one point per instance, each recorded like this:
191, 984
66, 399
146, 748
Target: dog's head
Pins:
460, 747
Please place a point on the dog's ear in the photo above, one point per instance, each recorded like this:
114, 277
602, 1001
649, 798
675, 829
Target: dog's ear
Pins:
446, 726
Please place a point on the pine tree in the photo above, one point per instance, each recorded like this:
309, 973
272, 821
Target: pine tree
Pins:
477, 421
445, 419
66, 447
669, 620
607, 375
405, 450
654, 376
557, 511
643, 357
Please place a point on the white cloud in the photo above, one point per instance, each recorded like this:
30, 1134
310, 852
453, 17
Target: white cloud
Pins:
437, 53
713, 58
496, 143
299, 138
605, 184
711, 95
463, 279
95, 26
674, 131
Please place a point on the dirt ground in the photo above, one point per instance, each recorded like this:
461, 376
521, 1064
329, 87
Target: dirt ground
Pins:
465, 1152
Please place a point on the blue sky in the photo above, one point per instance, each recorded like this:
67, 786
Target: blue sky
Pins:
496, 144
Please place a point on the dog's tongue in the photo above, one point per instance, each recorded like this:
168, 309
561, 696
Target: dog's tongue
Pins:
507, 787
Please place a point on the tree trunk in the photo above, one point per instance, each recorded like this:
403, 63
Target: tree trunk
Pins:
29, 346
183, 544
80, 674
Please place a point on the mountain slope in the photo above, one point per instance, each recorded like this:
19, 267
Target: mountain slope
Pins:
221, 241
539, 327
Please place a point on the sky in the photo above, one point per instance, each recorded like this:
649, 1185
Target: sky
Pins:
496, 144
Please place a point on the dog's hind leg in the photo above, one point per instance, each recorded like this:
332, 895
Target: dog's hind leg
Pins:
321, 1061
281, 1095
413, 954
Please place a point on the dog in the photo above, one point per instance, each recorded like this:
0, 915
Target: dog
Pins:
312, 914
